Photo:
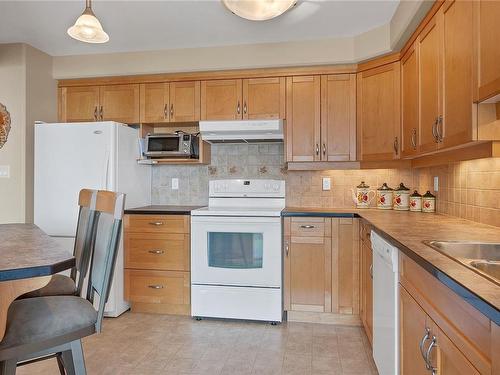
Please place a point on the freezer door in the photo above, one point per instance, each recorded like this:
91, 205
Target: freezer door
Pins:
68, 157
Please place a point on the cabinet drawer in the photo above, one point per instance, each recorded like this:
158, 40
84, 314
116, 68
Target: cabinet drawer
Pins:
157, 251
157, 287
157, 223
309, 227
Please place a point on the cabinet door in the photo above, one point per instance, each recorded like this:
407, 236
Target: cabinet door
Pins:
264, 98
413, 331
310, 273
430, 84
409, 102
458, 52
303, 118
184, 101
367, 290
154, 102
79, 104
120, 103
345, 266
338, 117
488, 54
378, 111
445, 356
221, 100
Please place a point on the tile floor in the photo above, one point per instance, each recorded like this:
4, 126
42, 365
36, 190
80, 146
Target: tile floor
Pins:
143, 344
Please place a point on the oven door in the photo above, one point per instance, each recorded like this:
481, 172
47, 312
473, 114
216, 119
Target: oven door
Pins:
241, 251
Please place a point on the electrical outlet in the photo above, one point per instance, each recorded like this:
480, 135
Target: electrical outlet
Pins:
4, 171
436, 183
327, 183
175, 184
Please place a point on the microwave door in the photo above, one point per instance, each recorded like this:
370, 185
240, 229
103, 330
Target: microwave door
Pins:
161, 146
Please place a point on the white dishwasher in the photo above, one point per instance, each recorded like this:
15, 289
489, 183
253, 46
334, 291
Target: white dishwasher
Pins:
385, 306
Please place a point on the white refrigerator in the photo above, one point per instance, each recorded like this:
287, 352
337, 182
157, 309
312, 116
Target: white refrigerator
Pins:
95, 155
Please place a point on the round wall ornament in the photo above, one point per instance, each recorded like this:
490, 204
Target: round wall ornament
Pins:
4, 124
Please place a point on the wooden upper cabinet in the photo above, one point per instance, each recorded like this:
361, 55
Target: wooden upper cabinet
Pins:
338, 117
120, 103
458, 54
184, 101
303, 96
429, 48
409, 102
264, 98
487, 14
221, 100
155, 106
79, 104
378, 113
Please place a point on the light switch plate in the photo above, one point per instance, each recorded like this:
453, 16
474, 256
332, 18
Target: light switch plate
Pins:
175, 184
327, 183
4, 171
436, 183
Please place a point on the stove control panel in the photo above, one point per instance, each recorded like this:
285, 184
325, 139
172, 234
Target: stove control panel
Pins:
247, 188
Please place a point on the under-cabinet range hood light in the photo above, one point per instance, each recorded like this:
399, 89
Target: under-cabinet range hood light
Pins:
246, 131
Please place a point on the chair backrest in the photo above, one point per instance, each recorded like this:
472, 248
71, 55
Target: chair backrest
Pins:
109, 208
83, 239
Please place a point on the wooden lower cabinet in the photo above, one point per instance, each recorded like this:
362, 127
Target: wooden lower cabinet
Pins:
321, 269
366, 299
157, 263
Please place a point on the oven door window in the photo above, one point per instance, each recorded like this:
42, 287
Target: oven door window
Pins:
163, 144
235, 250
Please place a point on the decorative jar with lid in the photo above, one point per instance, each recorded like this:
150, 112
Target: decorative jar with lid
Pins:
415, 202
428, 202
384, 197
401, 200
362, 197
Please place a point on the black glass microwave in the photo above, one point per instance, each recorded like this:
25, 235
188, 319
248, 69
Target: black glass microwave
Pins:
171, 145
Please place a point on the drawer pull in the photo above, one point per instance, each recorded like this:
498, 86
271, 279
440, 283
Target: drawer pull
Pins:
156, 223
155, 286
307, 226
157, 252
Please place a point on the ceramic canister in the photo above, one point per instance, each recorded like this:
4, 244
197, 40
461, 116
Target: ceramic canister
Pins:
363, 195
401, 198
415, 202
384, 197
428, 202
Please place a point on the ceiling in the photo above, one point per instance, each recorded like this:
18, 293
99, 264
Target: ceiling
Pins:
160, 25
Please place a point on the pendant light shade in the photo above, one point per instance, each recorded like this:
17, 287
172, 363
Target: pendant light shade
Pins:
259, 10
87, 27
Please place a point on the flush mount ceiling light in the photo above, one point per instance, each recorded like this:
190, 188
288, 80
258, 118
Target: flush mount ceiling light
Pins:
259, 10
87, 27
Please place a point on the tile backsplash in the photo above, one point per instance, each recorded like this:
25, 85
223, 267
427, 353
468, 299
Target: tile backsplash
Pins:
469, 190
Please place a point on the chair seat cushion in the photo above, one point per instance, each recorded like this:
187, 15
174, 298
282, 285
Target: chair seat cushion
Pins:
41, 319
59, 285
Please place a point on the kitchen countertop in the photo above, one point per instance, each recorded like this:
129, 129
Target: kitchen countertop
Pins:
406, 230
162, 210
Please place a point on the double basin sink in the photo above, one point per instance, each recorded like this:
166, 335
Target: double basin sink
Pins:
483, 258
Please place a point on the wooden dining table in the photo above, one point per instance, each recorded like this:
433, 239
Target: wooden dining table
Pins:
28, 259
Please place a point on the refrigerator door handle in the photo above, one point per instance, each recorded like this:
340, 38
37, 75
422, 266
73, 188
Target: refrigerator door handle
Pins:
104, 184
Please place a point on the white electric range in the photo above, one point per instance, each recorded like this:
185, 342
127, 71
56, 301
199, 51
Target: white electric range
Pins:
236, 251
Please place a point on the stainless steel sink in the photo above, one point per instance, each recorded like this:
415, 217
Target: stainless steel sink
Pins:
481, 257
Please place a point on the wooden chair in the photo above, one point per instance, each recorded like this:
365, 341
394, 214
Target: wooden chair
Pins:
43, 327
61, 285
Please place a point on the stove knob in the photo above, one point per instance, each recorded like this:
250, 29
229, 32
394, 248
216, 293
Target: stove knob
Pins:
276, 187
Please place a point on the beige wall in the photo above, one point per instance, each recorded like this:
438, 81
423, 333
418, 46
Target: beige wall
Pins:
29, 92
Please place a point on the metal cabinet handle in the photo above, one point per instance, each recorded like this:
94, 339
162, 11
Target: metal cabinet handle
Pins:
421, 346
156, 223
155, 286
396, 145
171, 110
287, 248
439, 128
95, 113
165, 111
238, 108
434, 130
317, 149
428, 355
324, 149
307, 226
371, 271
245, 107
414, 138
101, 113
157, 252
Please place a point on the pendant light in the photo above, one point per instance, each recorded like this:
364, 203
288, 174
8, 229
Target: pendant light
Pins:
87, 27
259, 10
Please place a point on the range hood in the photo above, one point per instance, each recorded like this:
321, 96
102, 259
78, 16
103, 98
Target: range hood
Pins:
242, 131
